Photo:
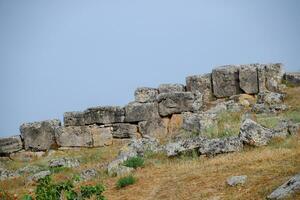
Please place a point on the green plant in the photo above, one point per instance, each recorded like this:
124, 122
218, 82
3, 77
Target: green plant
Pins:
57, 169
134, 162
125, 181
27, 197
89, 191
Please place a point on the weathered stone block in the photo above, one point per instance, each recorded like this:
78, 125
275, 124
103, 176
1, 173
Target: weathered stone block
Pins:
226, 81
102, 136
157, 128
292, 79
124, 130
170, 88
202, 84
104, 115
175, 124
10, 144
178, 102
39, 135
136, 112
270, 77
145, 94
248, 78
74, 119
198, 122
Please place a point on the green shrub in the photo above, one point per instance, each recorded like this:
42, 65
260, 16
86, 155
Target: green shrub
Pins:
125, 181
57, 169
134, 162
89, 191
27, 197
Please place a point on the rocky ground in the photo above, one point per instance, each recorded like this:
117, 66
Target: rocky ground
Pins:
246, 154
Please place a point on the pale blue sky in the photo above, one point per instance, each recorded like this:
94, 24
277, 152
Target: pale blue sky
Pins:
67, 55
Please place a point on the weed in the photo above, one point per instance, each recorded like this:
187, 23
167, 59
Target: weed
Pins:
125, 181
134, 162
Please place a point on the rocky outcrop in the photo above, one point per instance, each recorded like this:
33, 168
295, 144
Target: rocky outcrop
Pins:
292, 79
83, 136
202, 84
248, 79
10, 144
226, 81
269, 102
173, 103
145, 94
171, 88
39, 135
136, 112
236, 180
288, 188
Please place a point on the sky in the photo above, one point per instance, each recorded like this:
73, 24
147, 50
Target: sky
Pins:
68, 55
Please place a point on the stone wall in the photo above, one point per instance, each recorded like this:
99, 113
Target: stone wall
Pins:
155, 112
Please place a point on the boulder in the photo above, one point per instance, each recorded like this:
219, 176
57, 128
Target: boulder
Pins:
124, 130
39, 135
221, 145
74, 119
145, 94
6, 174
270, 98
253, 134
64, 162
88, 174
10, 144
29, 169
104, 115
270, 77
198, 122
39, 175
244, 100
225, 81
83, 136
120, 170
287, 127
172, 103
288, 188
157, 128
171, 88
236, 180
202, 84
292, 79
136, 112
248, 78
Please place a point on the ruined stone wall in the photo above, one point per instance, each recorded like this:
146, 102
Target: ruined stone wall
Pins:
156, 112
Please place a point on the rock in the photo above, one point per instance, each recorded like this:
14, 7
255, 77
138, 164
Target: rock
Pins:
198, 122
175, 124
84, 136
244, 100
172, 103
202, 84
221, 145
287, 127
39, 136
217, 109
123, 130
88, 174
145, 94
6, 174
225, 81
270, 98
254, 134
74, 119
10, 144
26, 156
157, 128
136, 112
270, 77
39, 175
120, 170
64, 162
171, 88
288, 188
292, 79
29, 169
104, 115
248, 78
236, 180
183, 146
198, 102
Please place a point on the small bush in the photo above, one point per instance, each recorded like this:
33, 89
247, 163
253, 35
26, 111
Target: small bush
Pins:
27, 197
125, 181
134, 162
89, 191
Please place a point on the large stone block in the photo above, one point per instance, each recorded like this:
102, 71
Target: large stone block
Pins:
178, 102
292, 79
84, 136
10, 144
175, 124
124, 130
248, 78
270, 77
104, 115
39, 135
202, 84
145, 94
157, 128
74, 119
198, 122
170, 88
136, 112
226, 81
